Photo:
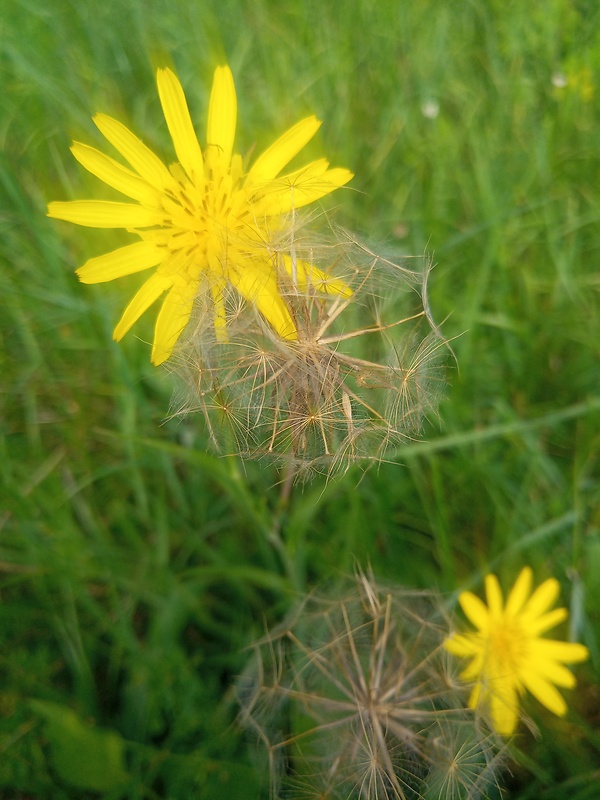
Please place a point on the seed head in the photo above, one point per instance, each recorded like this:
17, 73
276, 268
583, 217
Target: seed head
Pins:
360, 376
356, 697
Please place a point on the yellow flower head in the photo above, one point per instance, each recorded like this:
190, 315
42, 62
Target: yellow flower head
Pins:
507, 651
202, 222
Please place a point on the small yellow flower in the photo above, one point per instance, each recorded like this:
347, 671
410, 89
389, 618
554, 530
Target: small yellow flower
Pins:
507, 651
202, 222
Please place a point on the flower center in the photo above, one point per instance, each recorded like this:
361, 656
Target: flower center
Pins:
507, 648
205, 219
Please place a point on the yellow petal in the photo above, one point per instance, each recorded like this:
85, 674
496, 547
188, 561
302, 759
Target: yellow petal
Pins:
222, 114
307, 275
217, 289
172, 319
310, 172
463, 646
520, 592
115, 174
262, 291
124, 261
474, 609
104, 214
133, 150
475, 669
302, 187
281, 152
475, 696
236, 168
567, 652
546, 693
504, 708
540, 624
543, 597
551, 671
493, 595
179, 122
142, 300
277, 190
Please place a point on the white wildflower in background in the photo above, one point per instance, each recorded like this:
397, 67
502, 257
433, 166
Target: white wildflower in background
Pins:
430, 109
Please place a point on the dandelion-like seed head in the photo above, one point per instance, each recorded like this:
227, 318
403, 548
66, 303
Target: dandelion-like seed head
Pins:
508, 654
359, 379
355, 697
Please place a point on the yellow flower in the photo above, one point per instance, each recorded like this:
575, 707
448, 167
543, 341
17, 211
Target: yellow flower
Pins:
202, 222
507, 651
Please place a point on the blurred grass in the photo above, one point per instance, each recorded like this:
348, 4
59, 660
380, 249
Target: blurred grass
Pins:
135, 566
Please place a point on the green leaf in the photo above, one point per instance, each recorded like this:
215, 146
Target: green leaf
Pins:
83, 756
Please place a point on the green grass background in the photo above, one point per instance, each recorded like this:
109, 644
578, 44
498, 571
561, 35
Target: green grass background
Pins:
134, 565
